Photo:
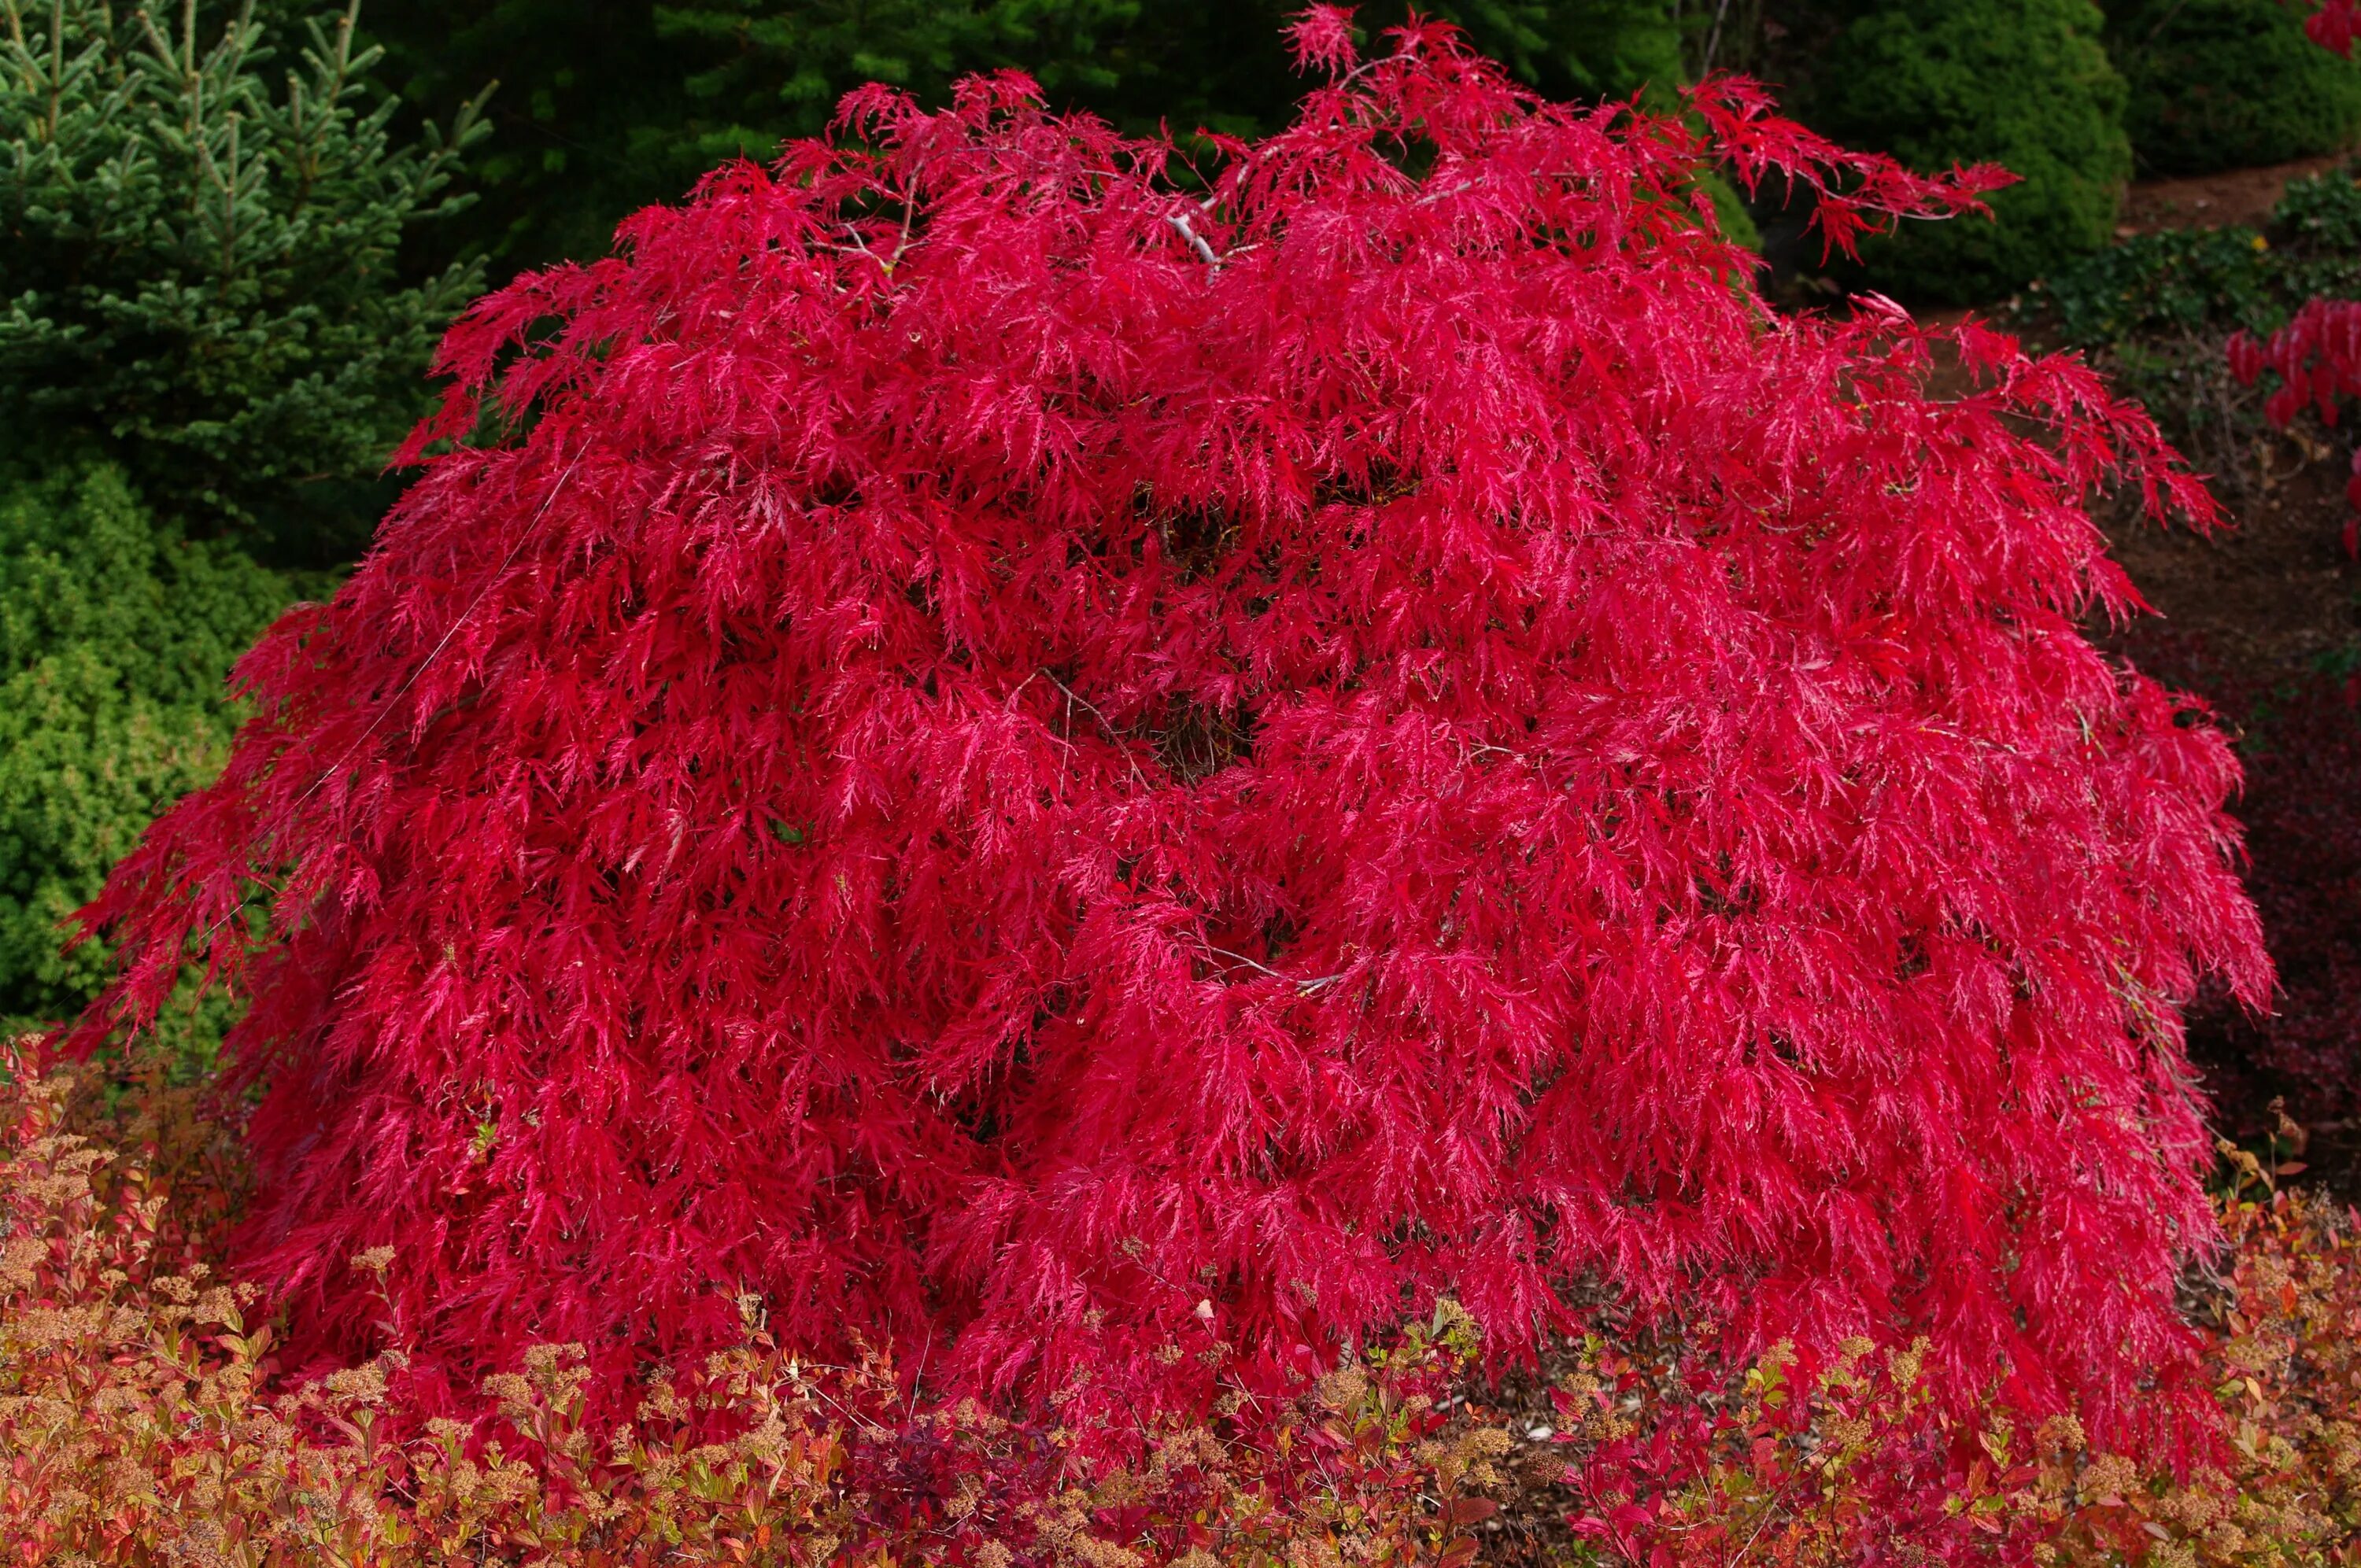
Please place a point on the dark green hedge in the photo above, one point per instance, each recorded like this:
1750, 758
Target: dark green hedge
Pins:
2228, 84
2025, 84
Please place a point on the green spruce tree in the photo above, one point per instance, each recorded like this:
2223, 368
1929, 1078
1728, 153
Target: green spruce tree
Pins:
198, 246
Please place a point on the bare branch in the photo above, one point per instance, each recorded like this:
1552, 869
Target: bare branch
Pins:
1204, 252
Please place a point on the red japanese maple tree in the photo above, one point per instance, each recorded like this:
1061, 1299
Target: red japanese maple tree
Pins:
1125, 780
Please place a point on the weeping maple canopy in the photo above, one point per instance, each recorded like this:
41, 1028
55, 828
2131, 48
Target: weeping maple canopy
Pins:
1129, 780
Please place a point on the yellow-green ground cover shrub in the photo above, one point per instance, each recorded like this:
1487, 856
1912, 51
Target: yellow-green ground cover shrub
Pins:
145, 1421
117, 637
1842, 1464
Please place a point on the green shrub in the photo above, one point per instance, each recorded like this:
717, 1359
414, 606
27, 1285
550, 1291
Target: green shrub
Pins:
2228, 84
2024, 84
2156, 310
2321, 215
115, 636
2210, 282
2178, 280
198, 269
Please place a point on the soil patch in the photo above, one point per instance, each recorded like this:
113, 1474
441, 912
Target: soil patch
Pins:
2213, 201
2271, 594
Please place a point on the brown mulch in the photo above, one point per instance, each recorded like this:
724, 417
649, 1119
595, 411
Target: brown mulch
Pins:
2212, 201
2274, 592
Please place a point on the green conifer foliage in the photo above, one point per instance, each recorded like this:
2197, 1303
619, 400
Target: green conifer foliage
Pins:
2024, 84
198, 244
2228, 84
115, 638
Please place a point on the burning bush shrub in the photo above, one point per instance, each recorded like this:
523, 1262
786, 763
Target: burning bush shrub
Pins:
1124, 781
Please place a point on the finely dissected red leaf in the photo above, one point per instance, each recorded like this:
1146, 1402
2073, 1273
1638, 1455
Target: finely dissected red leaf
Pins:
2316, 357
1126, 781
2333, 24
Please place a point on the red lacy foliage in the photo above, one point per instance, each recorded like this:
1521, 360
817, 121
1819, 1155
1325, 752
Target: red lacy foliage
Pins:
2317, 358
2333, 25
1102, 782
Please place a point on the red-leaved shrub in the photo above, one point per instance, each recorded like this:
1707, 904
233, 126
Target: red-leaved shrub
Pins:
1120, 780
2332, 25
2317, 355
2317, 358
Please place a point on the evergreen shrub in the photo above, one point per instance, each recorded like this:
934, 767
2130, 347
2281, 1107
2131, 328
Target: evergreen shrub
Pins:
198, 263
2155, 312
2228, 84
2023, 83
1123, 785
116, 639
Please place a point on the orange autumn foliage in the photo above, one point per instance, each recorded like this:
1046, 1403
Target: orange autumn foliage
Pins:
141, 1423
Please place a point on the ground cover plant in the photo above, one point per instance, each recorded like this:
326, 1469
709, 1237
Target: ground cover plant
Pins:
146, 1421
1128, 786
143, 1422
